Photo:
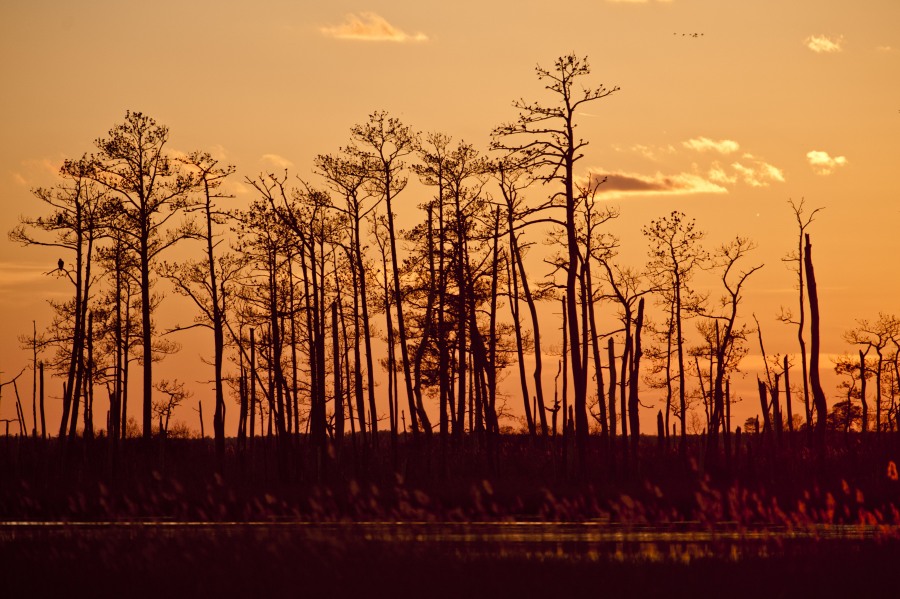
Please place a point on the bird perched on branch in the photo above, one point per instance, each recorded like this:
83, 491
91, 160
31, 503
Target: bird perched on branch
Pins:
60, 264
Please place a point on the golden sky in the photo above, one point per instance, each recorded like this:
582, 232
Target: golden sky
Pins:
770, 100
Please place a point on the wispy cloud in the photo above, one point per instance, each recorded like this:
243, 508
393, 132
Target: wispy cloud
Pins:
756, 172
368, 26
824, 44
648, 152
822, 163
37, 171
718, 174
622, 184
219, 152
884, 48
235, 188
176, 154
702, 178
276, 160
705, 144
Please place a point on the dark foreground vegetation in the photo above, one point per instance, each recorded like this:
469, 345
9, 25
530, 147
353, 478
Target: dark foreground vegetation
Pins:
168, 517
516, 478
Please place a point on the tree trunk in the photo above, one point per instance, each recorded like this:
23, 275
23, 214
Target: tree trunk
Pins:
776, 409
73, 381
862, 392
612, 396
598, 369
679, 344
878, 369
625, 371
414, 415
147, 328
815, 382
634, 378
580, 399
536, 333
252, 385
461, 310
126, 360
367, 338
801, 321
787, 395
429, 309
728, 422
660, 432
34, 375
349, 376
336, 370
88, 432
491, 362
513, 282
764, 405
671, 325
565, 366
43, 420
357, 357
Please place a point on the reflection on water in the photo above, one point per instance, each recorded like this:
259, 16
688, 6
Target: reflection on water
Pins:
591, 541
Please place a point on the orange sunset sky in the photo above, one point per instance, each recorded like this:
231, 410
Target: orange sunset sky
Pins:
771, 100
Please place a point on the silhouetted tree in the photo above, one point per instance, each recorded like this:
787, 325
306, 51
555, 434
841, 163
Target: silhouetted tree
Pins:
814, 380
150, 190
598, 247
855, 372
204, 282
844, 416
548, 139
675, 254
381, 239
803, 222
270, 245
660, 354
513, 178
347, 174
458, 175
174, 394
434, 154
627, 288
120, 333
386, 142
728, 335
874, 336
80, 217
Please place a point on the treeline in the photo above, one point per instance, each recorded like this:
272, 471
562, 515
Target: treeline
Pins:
301, 288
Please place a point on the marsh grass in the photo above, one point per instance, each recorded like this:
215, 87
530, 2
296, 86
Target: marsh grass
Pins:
164, 517
178, 480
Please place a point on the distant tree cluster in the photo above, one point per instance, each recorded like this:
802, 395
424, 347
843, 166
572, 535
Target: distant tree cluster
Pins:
302, 287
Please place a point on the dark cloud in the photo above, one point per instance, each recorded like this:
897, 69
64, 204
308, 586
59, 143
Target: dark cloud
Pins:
627, 184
